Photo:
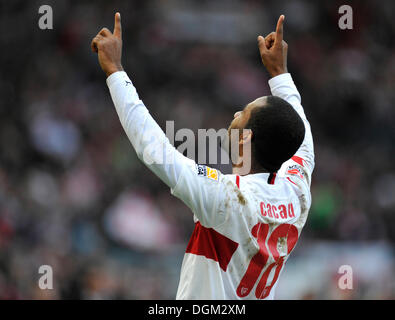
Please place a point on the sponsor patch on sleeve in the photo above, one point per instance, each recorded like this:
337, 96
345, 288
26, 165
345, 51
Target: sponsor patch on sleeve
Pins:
295, 170
207, 172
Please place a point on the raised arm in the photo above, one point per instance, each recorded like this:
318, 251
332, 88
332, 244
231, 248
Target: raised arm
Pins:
273, 50
147, 138
153, 148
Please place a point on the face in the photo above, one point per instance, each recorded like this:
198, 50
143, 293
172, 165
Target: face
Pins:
239, 122
241, 118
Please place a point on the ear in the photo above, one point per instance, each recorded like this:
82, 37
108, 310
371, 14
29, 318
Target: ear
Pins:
246, 136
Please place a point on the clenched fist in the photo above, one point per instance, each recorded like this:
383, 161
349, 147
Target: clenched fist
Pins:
108, 46
274, 49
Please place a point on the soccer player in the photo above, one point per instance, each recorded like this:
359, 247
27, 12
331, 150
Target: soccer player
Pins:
246, 223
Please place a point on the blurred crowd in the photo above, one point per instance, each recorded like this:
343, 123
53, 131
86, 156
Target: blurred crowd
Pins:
74, 196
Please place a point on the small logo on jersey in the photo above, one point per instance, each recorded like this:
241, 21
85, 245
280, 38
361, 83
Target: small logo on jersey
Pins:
201, 170
212, 174
298, 160
207, 172
295, 170
127, 82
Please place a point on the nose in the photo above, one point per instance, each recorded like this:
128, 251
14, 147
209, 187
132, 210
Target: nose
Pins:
237, 114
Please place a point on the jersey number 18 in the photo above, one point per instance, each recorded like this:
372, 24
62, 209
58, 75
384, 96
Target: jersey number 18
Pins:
284, 232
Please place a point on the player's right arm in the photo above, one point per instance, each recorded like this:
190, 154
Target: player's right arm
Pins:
197, 186
273, 50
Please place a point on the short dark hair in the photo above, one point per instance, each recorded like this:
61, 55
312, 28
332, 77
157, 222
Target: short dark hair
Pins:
277, 133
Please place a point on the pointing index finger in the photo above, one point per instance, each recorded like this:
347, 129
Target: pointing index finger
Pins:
280, 30
117, 26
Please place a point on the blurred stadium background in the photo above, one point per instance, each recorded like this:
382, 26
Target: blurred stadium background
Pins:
74, 196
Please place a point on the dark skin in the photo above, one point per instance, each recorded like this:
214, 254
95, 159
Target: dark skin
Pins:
239, 122
273, 50
108, 46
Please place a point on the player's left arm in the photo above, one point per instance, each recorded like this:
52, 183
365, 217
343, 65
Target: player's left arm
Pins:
152, 146
274, 50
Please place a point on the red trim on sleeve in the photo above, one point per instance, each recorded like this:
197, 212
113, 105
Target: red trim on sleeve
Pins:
238, 181
211, 244
291, 181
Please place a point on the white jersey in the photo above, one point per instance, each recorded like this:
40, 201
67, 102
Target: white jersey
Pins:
245, 226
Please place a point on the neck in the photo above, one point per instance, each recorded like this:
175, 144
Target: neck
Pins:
242, 171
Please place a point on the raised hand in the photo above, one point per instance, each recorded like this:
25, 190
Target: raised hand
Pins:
108, 46
274, 49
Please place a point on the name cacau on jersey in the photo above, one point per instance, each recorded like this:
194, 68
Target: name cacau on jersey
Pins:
282, 211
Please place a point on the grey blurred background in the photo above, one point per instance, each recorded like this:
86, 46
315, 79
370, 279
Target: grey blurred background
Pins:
74, 196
